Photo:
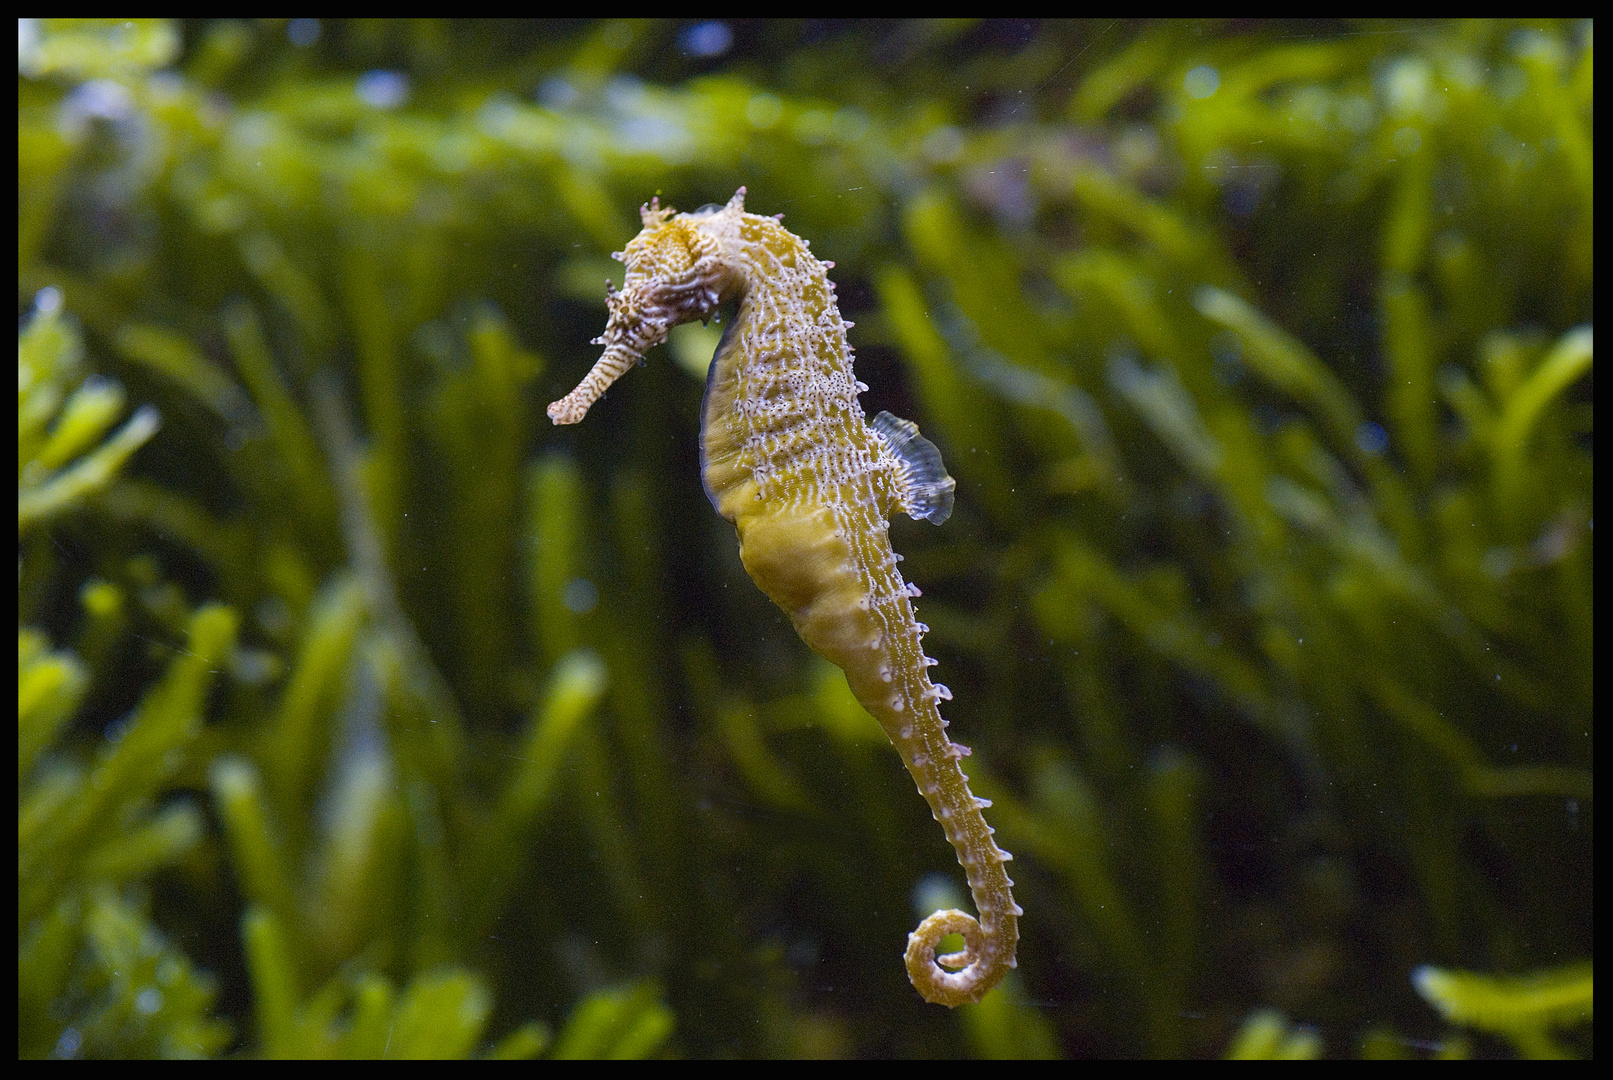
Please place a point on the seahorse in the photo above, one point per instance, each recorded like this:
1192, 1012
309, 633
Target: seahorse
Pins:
789, 458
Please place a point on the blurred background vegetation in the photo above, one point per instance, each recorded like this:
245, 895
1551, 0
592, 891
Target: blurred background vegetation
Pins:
361, 711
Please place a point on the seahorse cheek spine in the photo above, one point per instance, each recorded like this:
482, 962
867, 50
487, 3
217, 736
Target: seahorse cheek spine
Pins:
789, 458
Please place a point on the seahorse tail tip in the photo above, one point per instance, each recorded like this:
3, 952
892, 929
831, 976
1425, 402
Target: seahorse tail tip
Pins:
961, 978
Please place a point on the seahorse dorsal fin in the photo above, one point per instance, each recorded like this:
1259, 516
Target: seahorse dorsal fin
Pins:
922, 485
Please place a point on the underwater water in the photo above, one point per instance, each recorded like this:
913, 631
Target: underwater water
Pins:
364, 712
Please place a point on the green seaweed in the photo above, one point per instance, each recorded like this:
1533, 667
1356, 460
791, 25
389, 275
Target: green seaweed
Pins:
1266, 1035
362, 713
1524, 1009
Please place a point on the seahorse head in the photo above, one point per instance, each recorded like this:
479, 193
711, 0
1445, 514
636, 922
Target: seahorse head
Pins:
676, 272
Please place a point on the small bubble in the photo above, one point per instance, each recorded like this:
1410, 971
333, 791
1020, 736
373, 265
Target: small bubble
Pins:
557, 93
932, 893
1227, 353
1371, 438
117, 729
1201, 82
850, 124
67, 1045
580, 596
383, 89
303, 32
103, 99
1406, 86
706, 39
1407, 140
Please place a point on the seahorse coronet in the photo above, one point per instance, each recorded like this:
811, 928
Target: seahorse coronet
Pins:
809, 483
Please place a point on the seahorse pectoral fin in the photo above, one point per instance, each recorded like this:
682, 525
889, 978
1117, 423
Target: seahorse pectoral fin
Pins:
923, 488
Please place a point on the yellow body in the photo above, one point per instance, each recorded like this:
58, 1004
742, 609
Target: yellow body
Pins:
809, 485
